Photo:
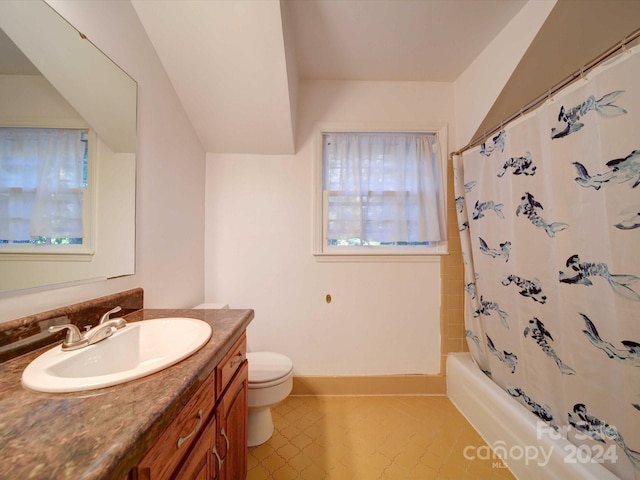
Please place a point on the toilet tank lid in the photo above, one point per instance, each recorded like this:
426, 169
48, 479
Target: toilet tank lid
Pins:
212, 306
268, 366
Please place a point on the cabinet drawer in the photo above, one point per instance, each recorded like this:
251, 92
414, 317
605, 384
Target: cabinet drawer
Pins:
164, 456
230, 363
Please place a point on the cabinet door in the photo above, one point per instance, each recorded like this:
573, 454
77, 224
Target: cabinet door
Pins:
179, 438
231, 414
199, 464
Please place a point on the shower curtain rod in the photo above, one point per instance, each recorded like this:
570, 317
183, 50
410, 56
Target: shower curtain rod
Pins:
570, 79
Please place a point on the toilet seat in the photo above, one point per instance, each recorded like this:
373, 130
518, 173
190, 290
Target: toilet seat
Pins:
267, 369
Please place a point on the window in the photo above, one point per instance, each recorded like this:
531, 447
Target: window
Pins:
44, 180
379, 193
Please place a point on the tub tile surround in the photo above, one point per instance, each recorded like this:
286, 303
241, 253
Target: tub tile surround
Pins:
453, 338
102, 433
23, 335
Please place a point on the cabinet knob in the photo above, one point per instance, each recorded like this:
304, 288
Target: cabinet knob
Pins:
237, 359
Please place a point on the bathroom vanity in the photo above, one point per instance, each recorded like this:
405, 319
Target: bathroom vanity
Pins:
187, 421
208, 438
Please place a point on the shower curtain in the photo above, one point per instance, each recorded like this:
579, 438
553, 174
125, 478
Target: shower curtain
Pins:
549, 217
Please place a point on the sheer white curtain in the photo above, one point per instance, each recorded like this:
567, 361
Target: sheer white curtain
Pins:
41, 183
382, 188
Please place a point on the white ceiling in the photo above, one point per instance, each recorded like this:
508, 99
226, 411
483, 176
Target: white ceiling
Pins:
396, 40
235, 64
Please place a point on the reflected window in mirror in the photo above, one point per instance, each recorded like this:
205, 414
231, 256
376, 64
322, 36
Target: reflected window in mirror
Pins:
45, 190
61, 80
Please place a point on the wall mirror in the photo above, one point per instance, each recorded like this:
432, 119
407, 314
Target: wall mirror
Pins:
52, 76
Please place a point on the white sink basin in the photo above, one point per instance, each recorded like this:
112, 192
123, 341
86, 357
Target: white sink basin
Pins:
136, 350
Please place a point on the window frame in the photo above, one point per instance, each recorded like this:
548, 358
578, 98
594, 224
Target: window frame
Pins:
324, 253
63, 252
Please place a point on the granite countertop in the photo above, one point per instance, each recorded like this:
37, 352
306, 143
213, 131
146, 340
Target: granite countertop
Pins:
102, 434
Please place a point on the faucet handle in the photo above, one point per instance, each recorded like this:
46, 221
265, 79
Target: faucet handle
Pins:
73, 339
105, 317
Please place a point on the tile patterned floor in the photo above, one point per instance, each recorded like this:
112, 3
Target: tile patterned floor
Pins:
369, 438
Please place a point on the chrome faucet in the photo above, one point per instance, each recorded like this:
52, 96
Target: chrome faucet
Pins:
105, 317
105, 328
74, 339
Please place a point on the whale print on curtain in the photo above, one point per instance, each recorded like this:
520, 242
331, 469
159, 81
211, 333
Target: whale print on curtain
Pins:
549, 217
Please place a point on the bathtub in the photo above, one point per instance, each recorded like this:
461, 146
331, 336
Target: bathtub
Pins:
528, 450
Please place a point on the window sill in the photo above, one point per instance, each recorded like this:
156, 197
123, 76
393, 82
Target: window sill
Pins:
79, 255
323, 257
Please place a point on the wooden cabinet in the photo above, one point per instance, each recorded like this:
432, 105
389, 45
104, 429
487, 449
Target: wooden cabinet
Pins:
178, 439
231, 414
208, 438
232, 378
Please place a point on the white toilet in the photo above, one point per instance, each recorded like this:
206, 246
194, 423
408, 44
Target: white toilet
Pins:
270, 381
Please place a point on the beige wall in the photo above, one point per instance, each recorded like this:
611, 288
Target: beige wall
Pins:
261, 257
385, 317
451, 328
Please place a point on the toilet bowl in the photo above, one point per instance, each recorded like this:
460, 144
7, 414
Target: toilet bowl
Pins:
270, 381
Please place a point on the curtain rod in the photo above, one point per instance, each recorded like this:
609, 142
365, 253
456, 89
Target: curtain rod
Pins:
570, 79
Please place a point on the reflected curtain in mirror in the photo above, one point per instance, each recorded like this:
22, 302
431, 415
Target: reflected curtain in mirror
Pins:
43, 179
